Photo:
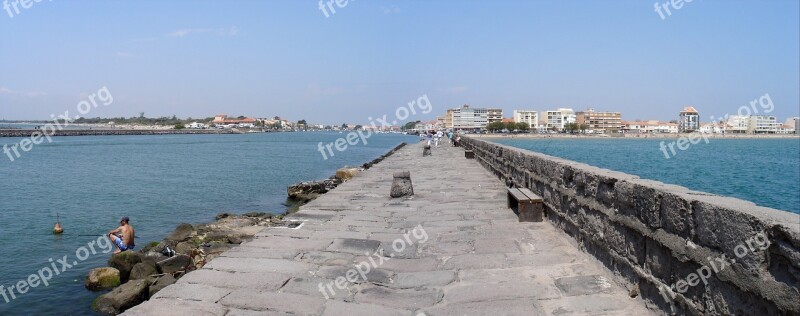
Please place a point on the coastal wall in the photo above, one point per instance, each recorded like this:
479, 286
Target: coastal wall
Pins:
111, 132
665, 243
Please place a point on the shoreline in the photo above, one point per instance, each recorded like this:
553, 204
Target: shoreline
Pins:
638, 136
118, 132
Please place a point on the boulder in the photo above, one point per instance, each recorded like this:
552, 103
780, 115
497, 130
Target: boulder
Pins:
401, 185
313, 187
161, 283
258, 214
154, 256
102, 278
163, 245
124, 262
182, 233
122, 298
185, 247
177, 263
346, 173
143, 271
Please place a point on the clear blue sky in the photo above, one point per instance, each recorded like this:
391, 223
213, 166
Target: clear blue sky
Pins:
266, 58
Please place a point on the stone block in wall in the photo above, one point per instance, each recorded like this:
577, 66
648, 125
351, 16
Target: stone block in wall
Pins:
658, 260
676, 215
726, 299
592, 222
625, 242
638, 198
685, 280
567, 177
725, 224
784, 256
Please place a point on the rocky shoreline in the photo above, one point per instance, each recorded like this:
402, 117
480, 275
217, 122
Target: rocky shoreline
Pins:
135, 276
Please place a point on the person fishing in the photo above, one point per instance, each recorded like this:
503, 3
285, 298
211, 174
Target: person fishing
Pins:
123, 236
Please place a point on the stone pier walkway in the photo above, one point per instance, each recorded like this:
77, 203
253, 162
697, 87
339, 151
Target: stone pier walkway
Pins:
453, 249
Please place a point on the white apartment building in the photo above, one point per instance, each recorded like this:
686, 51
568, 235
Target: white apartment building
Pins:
650, 127
689, 120
793, 122
527, 116
711, 128
467, 117
736, 124
559, 118
762, 124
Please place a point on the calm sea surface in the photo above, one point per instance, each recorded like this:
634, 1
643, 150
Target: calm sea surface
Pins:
159, 181
764, 171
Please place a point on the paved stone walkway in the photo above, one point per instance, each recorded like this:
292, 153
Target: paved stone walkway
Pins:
453, 249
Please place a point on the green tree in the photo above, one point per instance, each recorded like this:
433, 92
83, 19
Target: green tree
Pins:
522, 127
583, 128
410, 125
495, 127
179, 125
571, 127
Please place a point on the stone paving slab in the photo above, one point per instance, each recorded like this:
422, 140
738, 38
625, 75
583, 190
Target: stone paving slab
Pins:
451, 249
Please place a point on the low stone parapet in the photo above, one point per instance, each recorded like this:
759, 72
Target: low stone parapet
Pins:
683, 251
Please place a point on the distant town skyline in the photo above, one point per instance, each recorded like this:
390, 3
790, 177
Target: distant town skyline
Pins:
287, 58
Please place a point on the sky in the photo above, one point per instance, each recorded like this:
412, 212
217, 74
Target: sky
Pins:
287, 58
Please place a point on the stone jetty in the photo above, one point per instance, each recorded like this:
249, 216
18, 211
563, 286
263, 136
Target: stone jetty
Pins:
452, 248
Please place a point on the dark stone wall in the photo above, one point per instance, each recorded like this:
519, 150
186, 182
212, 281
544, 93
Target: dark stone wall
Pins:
659, 239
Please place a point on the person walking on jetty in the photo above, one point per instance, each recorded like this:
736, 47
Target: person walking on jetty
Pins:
123, 236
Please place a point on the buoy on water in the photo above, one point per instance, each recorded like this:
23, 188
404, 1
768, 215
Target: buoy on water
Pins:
58, 229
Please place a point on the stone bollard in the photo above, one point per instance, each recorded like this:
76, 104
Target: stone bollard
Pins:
469, 154
426, 151
401, 185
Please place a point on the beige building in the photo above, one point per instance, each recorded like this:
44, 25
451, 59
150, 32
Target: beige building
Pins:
526, 116
762, 124
494, 115
448, 119
606, 121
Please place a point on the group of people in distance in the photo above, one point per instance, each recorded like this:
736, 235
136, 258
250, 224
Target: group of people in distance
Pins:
433, 138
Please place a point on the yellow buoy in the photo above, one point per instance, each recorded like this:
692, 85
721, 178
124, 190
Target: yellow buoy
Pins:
58, 229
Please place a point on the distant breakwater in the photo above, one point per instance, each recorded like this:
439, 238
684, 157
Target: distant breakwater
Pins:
115, 132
